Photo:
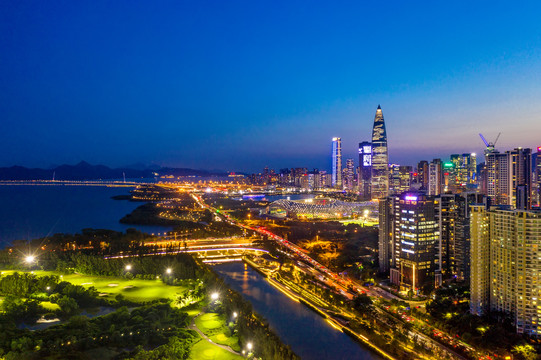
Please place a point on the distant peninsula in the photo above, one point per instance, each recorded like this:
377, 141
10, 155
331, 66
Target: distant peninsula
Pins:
86, 171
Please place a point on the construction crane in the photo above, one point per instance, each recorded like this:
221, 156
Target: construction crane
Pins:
490, 146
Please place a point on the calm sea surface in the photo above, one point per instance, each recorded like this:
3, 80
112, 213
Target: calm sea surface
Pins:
33, 211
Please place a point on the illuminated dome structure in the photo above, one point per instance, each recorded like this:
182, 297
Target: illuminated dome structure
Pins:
319, 208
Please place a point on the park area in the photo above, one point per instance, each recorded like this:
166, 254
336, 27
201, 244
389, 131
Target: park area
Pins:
217, 335
136, 290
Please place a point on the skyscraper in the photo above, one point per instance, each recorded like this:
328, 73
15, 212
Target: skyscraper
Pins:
348, 180
380, 158
416, 235
337, 162
435, 177
422, 174
520, 178
365, 165
507, 172
536, 186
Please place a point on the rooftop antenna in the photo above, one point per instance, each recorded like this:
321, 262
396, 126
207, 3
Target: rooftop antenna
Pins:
124, 175
54, 173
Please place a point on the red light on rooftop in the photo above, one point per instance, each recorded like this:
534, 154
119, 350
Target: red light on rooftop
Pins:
539, 149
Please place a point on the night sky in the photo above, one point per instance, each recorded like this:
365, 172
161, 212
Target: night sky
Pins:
241, 85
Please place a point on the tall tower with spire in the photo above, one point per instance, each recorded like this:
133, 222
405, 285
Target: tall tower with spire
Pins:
337, 162
380, 158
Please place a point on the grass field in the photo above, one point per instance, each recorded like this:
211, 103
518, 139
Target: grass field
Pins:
214, 326
134, 290
50, 306
204, 350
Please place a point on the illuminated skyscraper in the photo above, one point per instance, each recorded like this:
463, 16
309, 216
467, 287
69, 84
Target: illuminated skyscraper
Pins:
365, 165
422, 174
415, 235
520, 176
337, 162
380, 158
506, 173
348, 179
435, 177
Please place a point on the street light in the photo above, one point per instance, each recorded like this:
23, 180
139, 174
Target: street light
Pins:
235, 315
128, 267
214, 296
169, 270
29, 259
249, 346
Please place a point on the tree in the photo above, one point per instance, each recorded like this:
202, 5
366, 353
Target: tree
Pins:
68, 306
525, 352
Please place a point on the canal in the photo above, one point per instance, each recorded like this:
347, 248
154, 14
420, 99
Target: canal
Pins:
308, 334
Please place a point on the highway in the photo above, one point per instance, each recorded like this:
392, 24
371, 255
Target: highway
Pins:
332, 278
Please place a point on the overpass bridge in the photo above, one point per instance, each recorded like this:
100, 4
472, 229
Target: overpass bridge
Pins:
209, 250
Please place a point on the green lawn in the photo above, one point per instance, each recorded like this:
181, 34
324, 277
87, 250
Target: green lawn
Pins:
203, 350
135, 290
50, 306
214, 326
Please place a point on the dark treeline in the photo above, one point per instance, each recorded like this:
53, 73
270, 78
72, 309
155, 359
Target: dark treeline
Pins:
96, 241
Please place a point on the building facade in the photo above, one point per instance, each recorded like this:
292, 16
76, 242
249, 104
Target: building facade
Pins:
380, 158
365, 166
336, 162
435, 177
506, 265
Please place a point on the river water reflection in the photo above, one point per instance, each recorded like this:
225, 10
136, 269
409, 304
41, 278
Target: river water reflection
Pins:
308, 334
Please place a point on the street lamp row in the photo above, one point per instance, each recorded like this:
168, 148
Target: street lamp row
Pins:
167, 271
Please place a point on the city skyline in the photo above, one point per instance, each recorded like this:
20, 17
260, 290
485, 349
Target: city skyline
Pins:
270, 84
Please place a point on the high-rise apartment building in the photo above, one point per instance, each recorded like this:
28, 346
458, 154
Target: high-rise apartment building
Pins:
536, 179
453, 218
422, 174
365, 173
497, 177
337, 162
435, 177
380, 158
394, 179
405, 173
507, 175
520, 178
387, 255
479, 261
506, 265
445, 214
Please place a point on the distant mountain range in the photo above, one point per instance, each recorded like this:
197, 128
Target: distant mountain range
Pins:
86, 171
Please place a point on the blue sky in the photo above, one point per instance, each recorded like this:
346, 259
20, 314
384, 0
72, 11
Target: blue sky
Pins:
239, 85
